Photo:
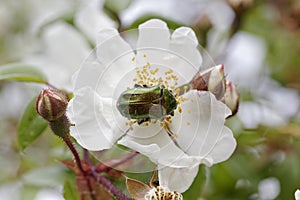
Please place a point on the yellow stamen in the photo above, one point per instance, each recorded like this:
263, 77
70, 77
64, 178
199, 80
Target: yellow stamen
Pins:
179, 109
185, 88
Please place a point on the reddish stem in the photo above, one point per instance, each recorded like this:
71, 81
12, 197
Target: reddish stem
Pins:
79, 165
105, 182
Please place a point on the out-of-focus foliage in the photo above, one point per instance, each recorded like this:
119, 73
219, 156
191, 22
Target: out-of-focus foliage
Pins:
30, 126
277, 22
265, 156
19, 72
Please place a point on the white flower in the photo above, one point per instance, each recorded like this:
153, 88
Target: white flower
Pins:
11, 190
160, 58
297, 195
63, 50
49, 194
186, 12
268, 188
63, 47
90, 18
42, 12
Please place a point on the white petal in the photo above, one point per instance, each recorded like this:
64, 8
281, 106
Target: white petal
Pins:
297, 195
116, 56
182, 55
11, 190
65, 49
153, 42
200, 126
185, 43
88, 75
154, 34
178, 52
155, 143
97, 124
245, 62
111, 46
269, 188
224, 147
220, 20
51, 69
66, 46
42, 13
107, 82
177, 179
90, 19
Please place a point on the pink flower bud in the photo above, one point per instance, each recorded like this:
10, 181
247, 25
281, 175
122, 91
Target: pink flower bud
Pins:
212, 80
231, 97
51, 104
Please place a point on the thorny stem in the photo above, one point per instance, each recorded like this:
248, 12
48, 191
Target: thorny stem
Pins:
78, 162
105, 182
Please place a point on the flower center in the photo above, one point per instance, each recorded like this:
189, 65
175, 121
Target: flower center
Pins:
154, 98
159, 192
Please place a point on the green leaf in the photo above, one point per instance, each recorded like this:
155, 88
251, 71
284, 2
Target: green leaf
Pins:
31, 126
70, 192
21, 72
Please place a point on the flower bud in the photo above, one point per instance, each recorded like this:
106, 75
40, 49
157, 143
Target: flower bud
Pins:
239, 5
231, 97
212, 80
51, 104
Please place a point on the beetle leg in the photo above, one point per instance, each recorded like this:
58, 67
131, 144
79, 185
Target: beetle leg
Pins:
138, 86
140, 121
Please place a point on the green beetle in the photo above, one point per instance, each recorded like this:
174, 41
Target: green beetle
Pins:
144, 103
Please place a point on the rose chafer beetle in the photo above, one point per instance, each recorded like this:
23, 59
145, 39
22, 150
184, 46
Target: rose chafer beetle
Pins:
144, 103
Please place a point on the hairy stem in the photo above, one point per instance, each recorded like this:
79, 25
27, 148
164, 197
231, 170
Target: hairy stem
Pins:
105, 182
79, 165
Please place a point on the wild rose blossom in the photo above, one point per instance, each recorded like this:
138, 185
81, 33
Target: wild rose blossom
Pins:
177, 142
